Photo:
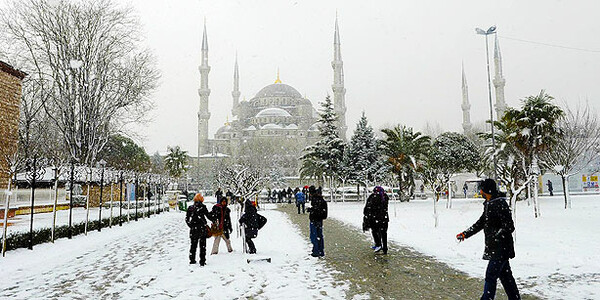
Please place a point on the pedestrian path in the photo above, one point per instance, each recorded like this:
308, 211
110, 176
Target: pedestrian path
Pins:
401, 274
148, 259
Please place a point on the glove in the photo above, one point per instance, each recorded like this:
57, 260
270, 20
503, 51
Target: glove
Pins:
460, 236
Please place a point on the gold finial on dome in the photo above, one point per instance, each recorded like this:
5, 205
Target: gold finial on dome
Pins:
227, 122
278, 80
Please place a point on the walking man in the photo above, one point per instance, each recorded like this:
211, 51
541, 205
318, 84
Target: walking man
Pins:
317, 213
497, 225
196, 220
550, 188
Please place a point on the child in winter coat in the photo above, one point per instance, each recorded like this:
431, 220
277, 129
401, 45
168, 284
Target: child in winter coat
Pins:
252, 222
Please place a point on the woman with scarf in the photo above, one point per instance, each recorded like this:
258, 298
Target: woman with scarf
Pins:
376, 218
222, 215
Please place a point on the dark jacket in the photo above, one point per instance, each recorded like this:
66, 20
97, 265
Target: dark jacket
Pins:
497, 224
222, 215
318, 208
196, 217
376, 211
251, 220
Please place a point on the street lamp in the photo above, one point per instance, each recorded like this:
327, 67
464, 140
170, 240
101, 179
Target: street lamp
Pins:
491, 30
102, 164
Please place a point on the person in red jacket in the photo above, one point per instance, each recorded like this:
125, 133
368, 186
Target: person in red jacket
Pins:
497, 225
221, 215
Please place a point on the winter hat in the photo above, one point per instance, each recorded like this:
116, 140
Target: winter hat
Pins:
489, 186
198, 197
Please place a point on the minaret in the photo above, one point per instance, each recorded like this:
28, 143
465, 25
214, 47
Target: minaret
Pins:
339, 91
204, 92
466, 106
499, 81
236, 89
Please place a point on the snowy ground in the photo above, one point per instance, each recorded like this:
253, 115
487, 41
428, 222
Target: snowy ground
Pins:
148, 259
557, 254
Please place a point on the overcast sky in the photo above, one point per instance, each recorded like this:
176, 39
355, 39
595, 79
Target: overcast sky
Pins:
402, 59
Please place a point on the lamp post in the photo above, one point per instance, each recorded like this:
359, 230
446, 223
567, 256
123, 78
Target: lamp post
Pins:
102, 164
491, 30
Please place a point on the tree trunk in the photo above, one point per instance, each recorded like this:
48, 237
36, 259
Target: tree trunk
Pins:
536, 204
435, 214
54, 205
6, 209
563, 180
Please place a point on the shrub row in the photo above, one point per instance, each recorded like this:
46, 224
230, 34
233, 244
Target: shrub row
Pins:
44, 235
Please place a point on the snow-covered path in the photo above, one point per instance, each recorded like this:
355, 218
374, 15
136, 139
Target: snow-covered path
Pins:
148, 259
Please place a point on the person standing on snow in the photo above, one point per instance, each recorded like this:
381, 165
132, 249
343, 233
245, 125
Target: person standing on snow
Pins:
221, 213
195, 218
376, 218
497, 224
317, 213
252, 222
300, 200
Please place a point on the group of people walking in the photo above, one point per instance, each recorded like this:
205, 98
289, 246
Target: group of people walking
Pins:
496, 222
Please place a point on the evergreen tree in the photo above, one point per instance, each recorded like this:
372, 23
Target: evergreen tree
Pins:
363, 161
325, 157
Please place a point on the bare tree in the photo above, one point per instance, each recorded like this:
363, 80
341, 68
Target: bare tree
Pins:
85, 61
242, 179
577, 147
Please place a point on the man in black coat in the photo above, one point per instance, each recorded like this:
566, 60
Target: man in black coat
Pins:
497, 224
317, 213
376, 218
222, 215
195, 218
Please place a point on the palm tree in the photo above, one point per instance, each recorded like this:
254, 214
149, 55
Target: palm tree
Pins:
405, 151
525, 134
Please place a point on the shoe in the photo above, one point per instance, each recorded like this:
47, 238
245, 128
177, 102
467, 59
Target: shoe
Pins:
314, 255
231, 250
202, 264
373, 247
192, 262
377, 249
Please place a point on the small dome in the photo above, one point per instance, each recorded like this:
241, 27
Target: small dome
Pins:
251, 127
273, 112
224, 129
278, 90
271, 126
291, 126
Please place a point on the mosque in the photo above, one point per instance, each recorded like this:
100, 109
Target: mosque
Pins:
277, 113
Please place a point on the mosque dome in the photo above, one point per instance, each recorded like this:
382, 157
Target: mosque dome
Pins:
224, 129
273, 112
278, 90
